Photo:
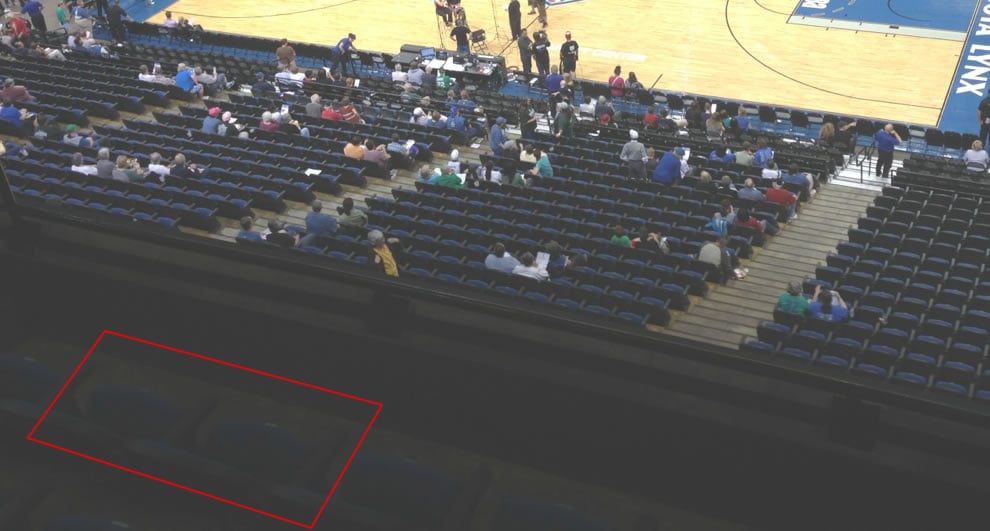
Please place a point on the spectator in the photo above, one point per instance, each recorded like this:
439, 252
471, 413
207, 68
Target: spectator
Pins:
348, 112
716, 254
668, 170
104, 166
73, 137
376, 154
619, 237
780, 195
329, 113
543, 167
828, 306
415, 74
563, 122
763, 153
633, 86
557, 262
650, 241
604, 111
650, 120
750, 192
116, 16
437, 120
226, 127
61, 15
529, 268
770, 171
382, 254
268, 122
651, 161
500, 260
155, 167
127, 170
278, 235
184, 79
977, 160
449, 179
743, 219
723, 154
46, 53
247, 231
714, 128
792, 301
348, 216
211, 123
742, 120
317, 224
33, 9
354, 149
314, 108
722, 220
170, 22
398, 76
744, 156
212, 83
803, 179
79, 166
183, 170
617, 85
262, 88
19, 117
705, 183
666, 124
726, 186
285, 55
397, 147
840, 138
694, 115
15, 93
497, 136
455, 161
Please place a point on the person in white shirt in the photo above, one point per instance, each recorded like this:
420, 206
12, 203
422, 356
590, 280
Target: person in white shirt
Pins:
976, 159
155, 165
771, 172
144, 75
79, 167
455, 161
529, 268
170, 22
399, 76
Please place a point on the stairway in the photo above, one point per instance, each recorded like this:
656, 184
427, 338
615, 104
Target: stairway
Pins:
730, 313
853, 176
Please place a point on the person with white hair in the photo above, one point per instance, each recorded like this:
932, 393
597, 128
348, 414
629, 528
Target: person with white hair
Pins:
268, 122
455, 161
104, 166
398, 76
634, 155
314, 108
79, 166
419, 117
156, 167
382, 254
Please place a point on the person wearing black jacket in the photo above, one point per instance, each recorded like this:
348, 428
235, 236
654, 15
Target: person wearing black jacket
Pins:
541, 53
515, 18
525, 51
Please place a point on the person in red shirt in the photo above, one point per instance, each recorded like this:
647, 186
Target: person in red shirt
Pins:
348, 112
650, 120
329, 113
19, 27
782, 196
15, 93
616, 84
743, 219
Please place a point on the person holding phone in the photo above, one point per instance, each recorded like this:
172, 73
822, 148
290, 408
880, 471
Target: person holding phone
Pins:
828, 305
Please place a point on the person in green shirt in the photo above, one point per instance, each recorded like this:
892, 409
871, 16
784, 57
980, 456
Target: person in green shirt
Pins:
61, 15
449, 178
619, 237
793, 301
543, 167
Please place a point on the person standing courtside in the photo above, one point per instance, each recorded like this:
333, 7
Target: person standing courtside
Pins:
541, 53
525, 51
515, 18
983, 113
568, 55
461, 34
541, 10
886, 139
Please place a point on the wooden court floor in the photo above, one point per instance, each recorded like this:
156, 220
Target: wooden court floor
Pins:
737, 49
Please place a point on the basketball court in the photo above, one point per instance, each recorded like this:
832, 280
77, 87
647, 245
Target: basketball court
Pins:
913, 61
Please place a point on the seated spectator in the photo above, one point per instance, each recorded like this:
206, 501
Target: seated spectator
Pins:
726, 186
170, 22
310, 81
668, 170
619, 237
290, 79
104, 166
79, 166
262, 88
528, 153
183, 170
449, 178
227, 127
278, 235
793, 300
604, 111
383, 253
723, 154
155, 76
289, 125
543, 167
419, 117
705, 183
73, 137
529, 268
349, 216
329, 113
455, 161
156, 168
268, 122
45, 53
314, 108
500, 260
354, 149
15, 93
651, 161
211, 123
247, 231
472, 176
750, 192
348, 111
557, 261
415, 74
22, 119
437, 120
188, 31
409, 95
650, 241
666, 124
398, 76
397, 146
744, 156
317, 223
714, 128
828, 305
743, 219
723, 219
977, 160
184, 80
716, 254
425, 174
763, 153
650, 120
780, 195
127, 170
800, 178
770, 172
212, 83
376, 154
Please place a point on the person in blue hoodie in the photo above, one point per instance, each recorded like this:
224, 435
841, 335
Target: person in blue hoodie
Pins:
668, 170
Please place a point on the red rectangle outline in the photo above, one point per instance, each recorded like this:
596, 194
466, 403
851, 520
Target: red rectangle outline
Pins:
323, 507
